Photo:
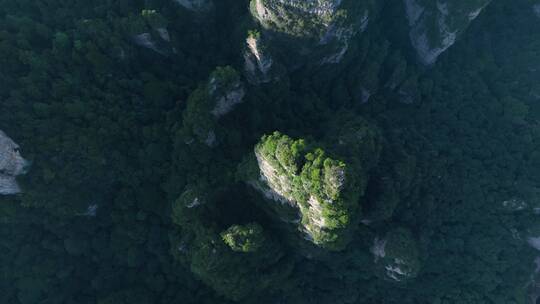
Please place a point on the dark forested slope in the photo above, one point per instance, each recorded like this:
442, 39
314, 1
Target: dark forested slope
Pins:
269, 151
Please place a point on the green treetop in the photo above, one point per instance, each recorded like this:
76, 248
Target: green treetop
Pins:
246, 238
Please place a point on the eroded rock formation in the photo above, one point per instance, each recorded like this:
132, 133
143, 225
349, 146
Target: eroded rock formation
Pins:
435, 25
258, 64
219, 96
396, 255
12, 164
325, 27
196, 5
324, 190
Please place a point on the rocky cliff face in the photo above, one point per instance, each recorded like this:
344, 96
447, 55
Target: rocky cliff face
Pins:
259, 65
396, 255
196, 5
12, 164
219, 96
149, 30
325, 27
296, 17
322, 30
435, 25
157, 41
226, 92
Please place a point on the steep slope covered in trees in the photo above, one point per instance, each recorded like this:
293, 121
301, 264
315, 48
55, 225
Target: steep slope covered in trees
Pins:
269, 151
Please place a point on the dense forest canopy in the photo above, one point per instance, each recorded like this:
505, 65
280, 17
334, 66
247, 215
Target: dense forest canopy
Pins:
268, 151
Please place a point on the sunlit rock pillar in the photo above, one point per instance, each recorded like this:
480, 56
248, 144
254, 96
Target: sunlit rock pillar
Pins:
258, 63
312, 31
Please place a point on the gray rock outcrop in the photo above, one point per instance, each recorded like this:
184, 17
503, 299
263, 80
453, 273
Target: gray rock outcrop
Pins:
195, 5
436, 25
12, 164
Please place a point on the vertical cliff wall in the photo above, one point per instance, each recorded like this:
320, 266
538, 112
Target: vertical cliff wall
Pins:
436, 25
